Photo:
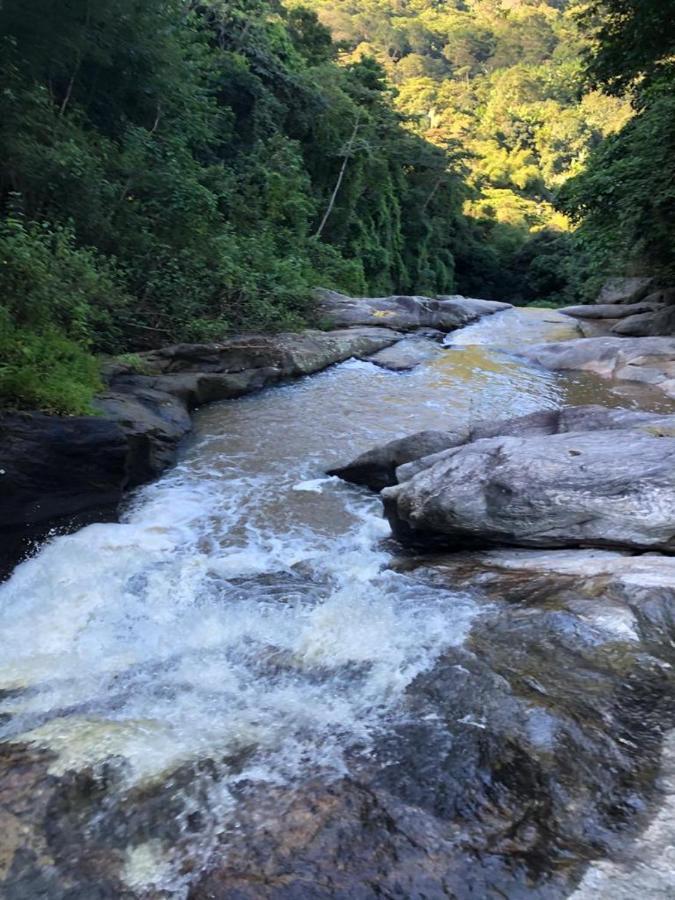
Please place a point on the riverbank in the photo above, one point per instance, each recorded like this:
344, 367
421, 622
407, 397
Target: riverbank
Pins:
246, 688
60, 473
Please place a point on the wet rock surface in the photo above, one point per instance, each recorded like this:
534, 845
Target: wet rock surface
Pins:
515, 762
376, 468
60, 473
404, 313
55, 471
647, 360
564, 490
407, 354
400, 460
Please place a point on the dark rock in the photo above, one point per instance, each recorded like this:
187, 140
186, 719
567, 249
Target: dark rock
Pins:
154, 422
52, 470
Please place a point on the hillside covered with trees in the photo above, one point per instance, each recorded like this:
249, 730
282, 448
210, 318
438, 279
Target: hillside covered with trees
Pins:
173, 171
500, 84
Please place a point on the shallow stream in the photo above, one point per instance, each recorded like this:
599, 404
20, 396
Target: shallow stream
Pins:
241, 630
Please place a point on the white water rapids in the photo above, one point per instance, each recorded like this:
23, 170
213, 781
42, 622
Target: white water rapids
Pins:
244, 604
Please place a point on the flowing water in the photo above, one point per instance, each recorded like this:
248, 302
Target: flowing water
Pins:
243, 611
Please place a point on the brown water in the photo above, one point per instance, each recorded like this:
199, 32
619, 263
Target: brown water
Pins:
244, 607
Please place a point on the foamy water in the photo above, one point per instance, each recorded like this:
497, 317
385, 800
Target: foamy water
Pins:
244, 607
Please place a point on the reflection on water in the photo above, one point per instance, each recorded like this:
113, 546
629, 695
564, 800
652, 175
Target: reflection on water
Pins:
244, 605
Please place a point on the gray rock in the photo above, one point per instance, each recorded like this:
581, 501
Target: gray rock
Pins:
407, 354
377, 467
403, 313
611, 310
650, 360
648, 324
398, 461
561, 490
625, 290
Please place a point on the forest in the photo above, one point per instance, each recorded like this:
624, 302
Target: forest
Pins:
174, 171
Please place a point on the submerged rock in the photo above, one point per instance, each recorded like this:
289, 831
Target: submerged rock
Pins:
561, 490
404, 313
507, 766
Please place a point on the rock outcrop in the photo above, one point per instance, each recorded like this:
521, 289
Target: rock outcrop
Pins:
625, 290
55, 472
648, 360
396, 461
652, 317
648, 324
376, 468
611, 310
579, 489
403, 313
60, 472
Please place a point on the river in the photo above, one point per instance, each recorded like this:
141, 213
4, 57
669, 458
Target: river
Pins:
242, 625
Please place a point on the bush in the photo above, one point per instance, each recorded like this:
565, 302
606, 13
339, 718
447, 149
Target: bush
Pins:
45, 371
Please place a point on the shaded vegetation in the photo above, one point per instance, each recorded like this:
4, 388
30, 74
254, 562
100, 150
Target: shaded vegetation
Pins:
165, 172
175, 170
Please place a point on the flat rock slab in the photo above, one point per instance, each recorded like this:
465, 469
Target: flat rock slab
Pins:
562, 490
610, 310
403, 313
649, 360
407, 354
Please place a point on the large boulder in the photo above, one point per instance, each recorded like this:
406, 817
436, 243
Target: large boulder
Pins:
576, 489
648, 324
401, 312
53, 470
625, 290
399, 460
376, 468
649, 360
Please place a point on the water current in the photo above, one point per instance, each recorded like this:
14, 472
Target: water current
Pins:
243, 611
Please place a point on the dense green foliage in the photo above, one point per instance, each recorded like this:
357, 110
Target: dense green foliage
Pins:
624, 201
166, 170
503, 80
172, 170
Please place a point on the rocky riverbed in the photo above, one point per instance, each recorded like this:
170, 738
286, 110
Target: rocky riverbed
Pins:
247, 689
